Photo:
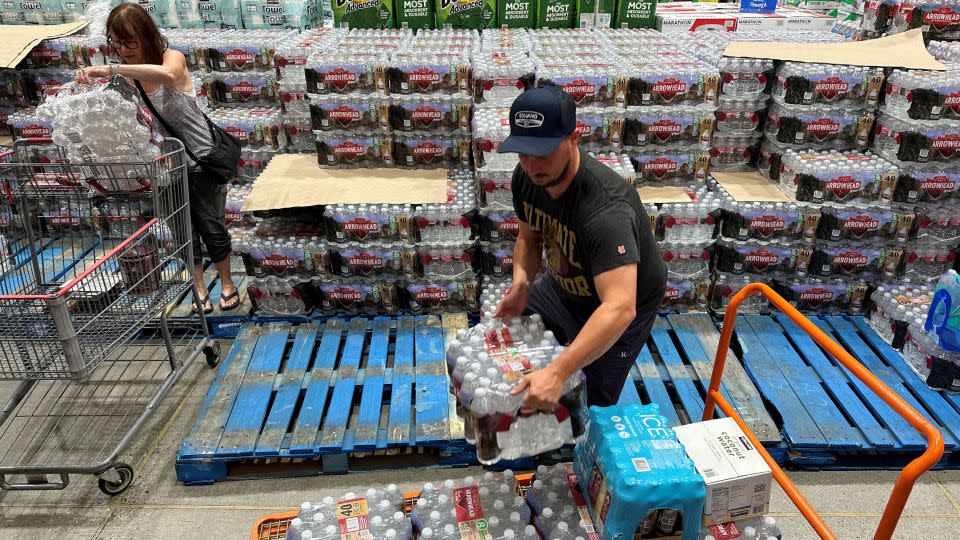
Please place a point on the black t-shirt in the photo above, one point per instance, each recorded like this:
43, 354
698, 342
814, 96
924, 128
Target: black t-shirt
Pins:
597, 224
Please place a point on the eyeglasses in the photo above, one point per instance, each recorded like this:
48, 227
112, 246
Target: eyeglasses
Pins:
128, 43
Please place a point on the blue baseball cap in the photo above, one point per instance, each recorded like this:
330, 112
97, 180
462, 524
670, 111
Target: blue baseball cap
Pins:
540, 119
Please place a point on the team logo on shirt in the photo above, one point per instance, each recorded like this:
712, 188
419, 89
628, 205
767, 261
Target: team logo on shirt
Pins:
621, 250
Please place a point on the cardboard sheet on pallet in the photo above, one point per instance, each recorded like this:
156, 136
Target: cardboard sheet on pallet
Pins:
749, 186
663, 194
18, 40
296, 180
904, 50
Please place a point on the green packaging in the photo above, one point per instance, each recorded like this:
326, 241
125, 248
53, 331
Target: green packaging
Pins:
556, 13
415, 14
363, 13
469, 14
589, 16
517, 13
635, 14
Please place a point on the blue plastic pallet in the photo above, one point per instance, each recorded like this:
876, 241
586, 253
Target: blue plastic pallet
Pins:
829, 419
222, 324
298, 396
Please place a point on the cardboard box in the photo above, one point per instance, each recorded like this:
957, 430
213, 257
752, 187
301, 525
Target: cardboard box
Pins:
470, 14
595, 13
635, 14
517, 13
416, 14
363, 13
694, 22
738, 480
556, 13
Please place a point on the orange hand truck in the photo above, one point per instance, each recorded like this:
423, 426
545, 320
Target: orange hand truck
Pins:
273, 527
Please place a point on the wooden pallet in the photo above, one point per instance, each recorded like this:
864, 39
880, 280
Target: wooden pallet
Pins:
329, 398
674, 369
830, 419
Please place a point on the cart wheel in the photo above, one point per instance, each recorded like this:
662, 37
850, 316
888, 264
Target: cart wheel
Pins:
126, 477
212, 353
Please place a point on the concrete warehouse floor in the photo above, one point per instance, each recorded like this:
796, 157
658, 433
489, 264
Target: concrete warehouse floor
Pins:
157, 506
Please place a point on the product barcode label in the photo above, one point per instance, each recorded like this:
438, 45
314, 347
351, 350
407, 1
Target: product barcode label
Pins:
709, 473
641, 465
758, 509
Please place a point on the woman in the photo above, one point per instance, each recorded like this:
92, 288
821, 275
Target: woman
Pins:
162, 73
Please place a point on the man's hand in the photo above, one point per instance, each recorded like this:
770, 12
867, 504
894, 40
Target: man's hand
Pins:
88, 75
544, 388
513, 303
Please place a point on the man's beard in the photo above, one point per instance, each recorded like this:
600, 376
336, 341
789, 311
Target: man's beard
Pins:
558, 179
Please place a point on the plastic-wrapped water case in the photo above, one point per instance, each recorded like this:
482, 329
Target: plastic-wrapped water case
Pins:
844, 223
339, 73
939, 19
376, 513
631, 464
489, 361
244, 50
671, 84
923, 95
587, 85
745, 77
768, 220
819, 126
369, 223
490, 128
556, 505
939, 222
494, 189
345, 150
484, 507
863, 260
926, 183
727, 285
446, 261
894, 306
246, 89
430, 74
663, 126
806, 84
499, 76
734, 153
620, 163
677, 165
279, 295
438, 113
360, 114
357, 296
431, 151
497, 259
760, 257
684, 293
687, 260
823, 294
688, 222
258, 128
834, 176
739, 116
770, 158
356, 259
927, 261
878, 14
919, 141
442, 223
939, 369
438, 295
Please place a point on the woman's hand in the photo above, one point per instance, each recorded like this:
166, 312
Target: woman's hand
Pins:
89, 75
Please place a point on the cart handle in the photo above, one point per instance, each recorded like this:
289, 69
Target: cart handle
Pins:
908, 476
73, 283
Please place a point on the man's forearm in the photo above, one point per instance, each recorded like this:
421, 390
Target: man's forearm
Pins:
527, 257
600, 332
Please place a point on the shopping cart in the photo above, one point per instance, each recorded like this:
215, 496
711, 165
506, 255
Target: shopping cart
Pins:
90, 253
908, 476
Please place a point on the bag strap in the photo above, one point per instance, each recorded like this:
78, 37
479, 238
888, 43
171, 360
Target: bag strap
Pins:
170, 130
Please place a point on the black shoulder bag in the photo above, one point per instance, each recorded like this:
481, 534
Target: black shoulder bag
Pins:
222, 161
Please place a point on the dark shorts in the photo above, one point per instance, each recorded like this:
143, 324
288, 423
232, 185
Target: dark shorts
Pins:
607, 374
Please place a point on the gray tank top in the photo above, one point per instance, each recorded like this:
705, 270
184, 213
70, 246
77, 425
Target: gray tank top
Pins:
180, 110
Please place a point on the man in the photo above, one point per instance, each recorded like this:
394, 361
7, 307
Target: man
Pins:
604, 279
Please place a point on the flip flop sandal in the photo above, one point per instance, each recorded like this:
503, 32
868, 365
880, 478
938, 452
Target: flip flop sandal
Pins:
203, 302
231, 296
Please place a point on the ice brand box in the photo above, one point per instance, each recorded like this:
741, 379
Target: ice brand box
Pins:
415, 14
517, 13
738, 480
556, 13
635, 14
470, 14
363, 13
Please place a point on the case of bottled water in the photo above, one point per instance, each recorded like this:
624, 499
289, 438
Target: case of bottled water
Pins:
726, 285
939, 222
893, 307
689, 222
619, 163
486, 364
738, 115
556, 506
631, 464
484, 507
734, 152
819, 126
374, 514
842, 177
672, 165
926, 182
745, 78
668, 125
917, 141
806, 84
499, 76
822, 294
939, 19
923, 95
